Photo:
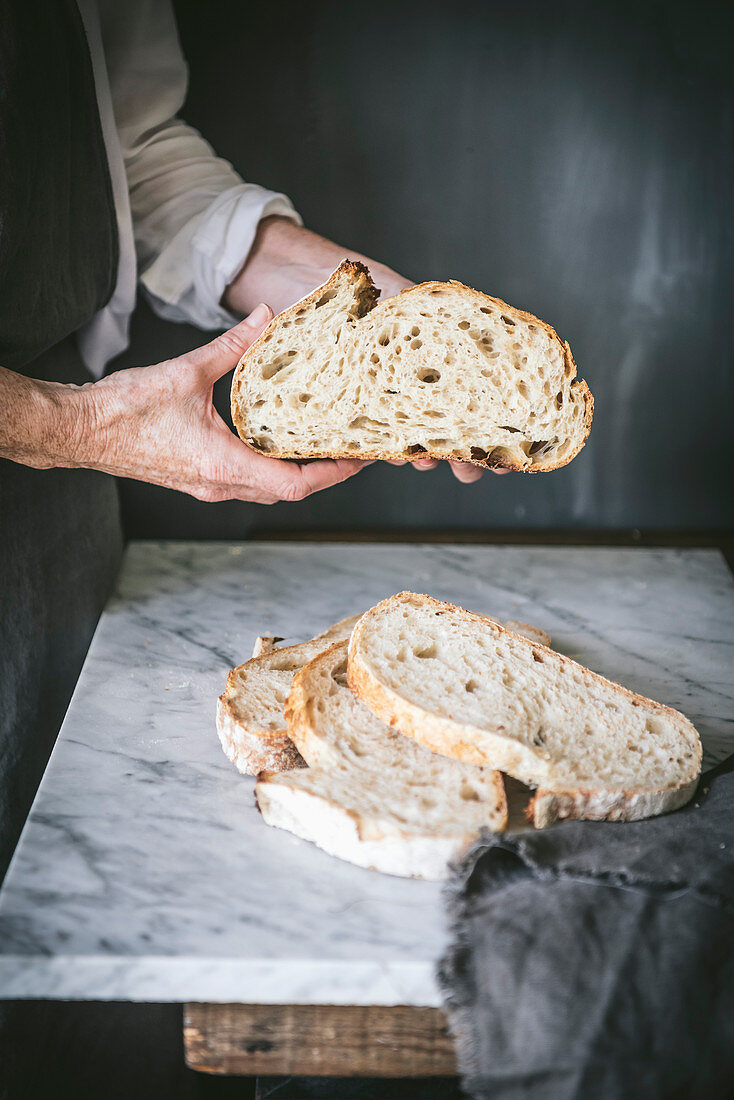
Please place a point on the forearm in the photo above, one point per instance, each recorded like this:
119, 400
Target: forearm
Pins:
286, 258
43, 424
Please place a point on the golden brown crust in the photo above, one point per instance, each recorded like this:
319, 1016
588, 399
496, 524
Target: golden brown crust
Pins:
369, 298
546, 806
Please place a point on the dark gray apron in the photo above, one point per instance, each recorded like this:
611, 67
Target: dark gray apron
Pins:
60, 537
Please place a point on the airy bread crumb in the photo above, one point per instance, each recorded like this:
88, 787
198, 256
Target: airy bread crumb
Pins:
439, 371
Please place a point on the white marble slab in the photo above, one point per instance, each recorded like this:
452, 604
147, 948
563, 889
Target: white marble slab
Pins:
145, 872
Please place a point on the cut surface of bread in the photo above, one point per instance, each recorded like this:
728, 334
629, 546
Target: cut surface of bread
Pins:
250, 719
370, 795
440, 370
463, 685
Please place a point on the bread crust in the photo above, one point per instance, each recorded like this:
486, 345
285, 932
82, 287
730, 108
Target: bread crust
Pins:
370, 296
547, 807
516, 759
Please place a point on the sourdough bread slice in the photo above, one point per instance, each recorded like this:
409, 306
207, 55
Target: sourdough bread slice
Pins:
440, 370
250, 719
370, 795
463, 685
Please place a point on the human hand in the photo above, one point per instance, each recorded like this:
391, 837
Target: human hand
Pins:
158, 424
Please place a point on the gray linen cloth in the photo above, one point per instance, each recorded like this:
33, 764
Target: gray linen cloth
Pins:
596, 960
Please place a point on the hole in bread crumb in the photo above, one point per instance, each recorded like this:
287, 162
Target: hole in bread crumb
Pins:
425, 651
415, 344
538, 657
367, 422
463, 324
522, 389
539, 447
468, 793
384, 340
507, 320
415, 331
471, 686
415, 449
326, 298
559, 399
479, 454
508, 428
304, 398
426, 374
374, 358
483, 309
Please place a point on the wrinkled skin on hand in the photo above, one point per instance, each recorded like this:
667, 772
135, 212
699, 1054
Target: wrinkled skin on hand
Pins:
159, 424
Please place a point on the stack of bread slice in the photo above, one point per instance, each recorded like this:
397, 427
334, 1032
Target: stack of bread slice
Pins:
384, 739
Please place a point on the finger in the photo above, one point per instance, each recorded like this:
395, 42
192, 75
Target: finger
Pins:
501, 471
312, 477
292, 481
396, 461
465, 472
425, 464
223, 353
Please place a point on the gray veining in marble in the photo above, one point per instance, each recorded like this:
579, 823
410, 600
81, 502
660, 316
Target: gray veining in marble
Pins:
145, 872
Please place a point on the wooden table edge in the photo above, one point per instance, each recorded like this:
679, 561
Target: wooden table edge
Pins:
318, 1040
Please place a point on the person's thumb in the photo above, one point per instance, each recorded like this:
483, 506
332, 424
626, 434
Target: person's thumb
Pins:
223, 353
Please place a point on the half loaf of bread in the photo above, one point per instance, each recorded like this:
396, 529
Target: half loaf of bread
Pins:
461, 684
370, 795
439, 371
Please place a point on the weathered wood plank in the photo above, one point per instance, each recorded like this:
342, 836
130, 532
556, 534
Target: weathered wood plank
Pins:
318, 1040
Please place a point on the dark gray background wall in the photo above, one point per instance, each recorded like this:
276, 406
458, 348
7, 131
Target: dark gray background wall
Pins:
572, 158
